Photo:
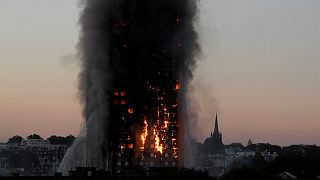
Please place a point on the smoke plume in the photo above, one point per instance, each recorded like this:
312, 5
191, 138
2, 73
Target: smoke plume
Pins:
128, 44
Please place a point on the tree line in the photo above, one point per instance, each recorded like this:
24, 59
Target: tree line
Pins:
303, 161
67, 140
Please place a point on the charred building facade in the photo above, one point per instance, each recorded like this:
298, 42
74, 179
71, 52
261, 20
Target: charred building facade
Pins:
144, 107
144, 134
149, 48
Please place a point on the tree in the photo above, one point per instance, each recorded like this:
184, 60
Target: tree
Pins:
61, 140
56, 140
34, 136
235, 145
312, 152
260, 147
69, 140
15, 139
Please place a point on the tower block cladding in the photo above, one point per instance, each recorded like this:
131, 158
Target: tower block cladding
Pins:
137, 61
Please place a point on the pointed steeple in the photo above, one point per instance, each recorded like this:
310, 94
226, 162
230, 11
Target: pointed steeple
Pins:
216, 126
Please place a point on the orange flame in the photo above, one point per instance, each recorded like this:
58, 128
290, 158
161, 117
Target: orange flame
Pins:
158, 146
166, 124
130, 110
177, 86
144, 133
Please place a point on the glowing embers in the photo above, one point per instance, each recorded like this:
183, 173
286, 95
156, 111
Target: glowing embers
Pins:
130, 111
130, 146
166, 124
178, 86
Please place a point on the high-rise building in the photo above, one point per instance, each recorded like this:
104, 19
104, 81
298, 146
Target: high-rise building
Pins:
144, 99
138, 57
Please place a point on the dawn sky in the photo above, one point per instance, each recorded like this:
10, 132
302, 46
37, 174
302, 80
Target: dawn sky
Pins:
260, 69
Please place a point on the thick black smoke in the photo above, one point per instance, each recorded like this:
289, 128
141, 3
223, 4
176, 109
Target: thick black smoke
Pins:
128, 44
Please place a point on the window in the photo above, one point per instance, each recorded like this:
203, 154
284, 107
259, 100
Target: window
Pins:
166, 155
166, 163
151, 154
116, 93
123, 93
126, 163
123, 102
119, 163
130, 146
115, 101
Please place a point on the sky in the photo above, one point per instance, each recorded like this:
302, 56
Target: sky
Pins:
38, 91
259, 69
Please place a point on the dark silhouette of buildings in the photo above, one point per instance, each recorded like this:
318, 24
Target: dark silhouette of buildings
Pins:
214, 144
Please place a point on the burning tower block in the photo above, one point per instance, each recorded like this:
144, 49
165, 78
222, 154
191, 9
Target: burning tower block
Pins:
147, 49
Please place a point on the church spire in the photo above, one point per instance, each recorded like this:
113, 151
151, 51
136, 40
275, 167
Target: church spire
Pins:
216, 126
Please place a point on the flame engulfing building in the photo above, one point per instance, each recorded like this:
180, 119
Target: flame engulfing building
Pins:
137, 57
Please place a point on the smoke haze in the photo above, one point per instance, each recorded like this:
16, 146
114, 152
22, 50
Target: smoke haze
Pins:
158, 47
